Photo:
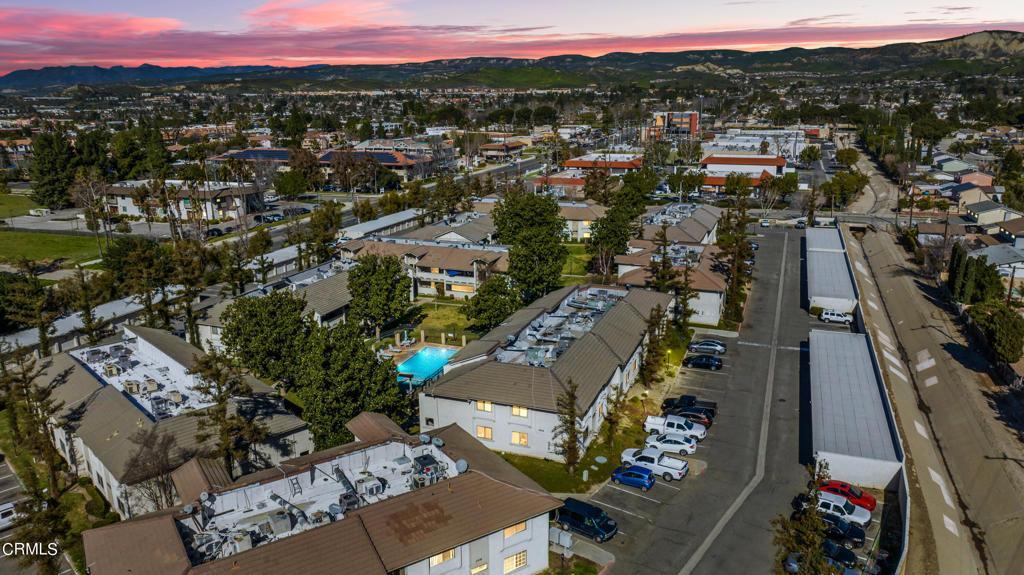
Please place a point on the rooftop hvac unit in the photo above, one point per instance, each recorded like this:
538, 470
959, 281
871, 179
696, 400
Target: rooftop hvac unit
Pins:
280, 522
369, 486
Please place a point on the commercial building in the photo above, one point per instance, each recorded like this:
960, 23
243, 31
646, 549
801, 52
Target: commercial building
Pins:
780, 142
141, 382
385, 225
852, 423
504, 387
829, 277
614, 164
385, 503
672, 125
717, 167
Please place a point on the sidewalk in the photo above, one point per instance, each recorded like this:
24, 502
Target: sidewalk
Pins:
940, 539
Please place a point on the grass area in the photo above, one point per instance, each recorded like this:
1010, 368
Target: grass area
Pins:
558, 565
578, 261
74, 501
41, 246
553, 476
574, 280
443, 316
12, 205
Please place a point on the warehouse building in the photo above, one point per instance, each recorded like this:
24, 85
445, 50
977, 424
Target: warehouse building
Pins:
852, 426
829, 278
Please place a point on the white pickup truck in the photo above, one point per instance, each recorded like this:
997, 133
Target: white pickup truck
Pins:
675, 424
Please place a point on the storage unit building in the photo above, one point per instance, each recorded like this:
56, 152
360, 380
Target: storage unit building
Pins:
852, 426
829, 278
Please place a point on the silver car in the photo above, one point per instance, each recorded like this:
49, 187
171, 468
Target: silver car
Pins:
712, 346
672, 443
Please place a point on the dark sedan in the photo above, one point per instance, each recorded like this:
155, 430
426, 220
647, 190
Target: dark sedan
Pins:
694, 414
843, 532
839, 554
703, 362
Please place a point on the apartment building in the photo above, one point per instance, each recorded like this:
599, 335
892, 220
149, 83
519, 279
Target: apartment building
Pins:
213, 201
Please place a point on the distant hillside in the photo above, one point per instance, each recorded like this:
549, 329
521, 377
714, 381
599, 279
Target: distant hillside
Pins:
980, 52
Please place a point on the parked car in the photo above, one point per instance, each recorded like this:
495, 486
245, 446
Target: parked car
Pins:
766, 223
270, 218
675, 424
753, 245
709, 407
270, 198
839, 554
8, 515
843, 532
695, 415
586, 519
837, 505
793, 561
214, 233
852, 493
662, 464
703, 362
801, 224
833, 316
712, 346
672, 443
295, 211
639, 477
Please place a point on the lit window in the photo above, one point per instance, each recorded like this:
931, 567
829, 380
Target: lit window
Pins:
442, 557
478, 569
520, 438
517, 528
484, 432
514, 562
520, 411
484, 406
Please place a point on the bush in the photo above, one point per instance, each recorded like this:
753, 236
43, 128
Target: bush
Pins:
84, 482
816, 311
96, 505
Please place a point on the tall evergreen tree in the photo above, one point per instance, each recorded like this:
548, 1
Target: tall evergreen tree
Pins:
664, 275
568, 432
52, 169
380, 290
31, 304
85, 295
267, 334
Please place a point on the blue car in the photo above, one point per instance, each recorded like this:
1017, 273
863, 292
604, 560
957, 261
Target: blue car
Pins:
634, 477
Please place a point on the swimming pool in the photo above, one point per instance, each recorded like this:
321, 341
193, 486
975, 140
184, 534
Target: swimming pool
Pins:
425, 365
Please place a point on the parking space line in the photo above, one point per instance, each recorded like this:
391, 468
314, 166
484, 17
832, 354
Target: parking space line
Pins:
2, 477
10, 489
898, 373
8, 536
621, 509
617, 488
704, 371
704, 389
931, 381
663, 484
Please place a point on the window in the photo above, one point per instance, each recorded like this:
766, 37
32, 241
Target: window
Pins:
430, 422
517, 528
442, 557
514, 562
478, 569
484, 406
484, 432
520, 438
520, 411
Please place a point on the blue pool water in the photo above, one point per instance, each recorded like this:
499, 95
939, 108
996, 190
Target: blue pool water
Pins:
426, 364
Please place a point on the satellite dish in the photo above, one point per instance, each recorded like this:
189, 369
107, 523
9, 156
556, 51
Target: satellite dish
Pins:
438, 442
424, 438
462, 466
188, 509
204, 496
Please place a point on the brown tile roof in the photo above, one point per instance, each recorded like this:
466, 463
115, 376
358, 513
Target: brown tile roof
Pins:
634, 164
328, 296
444, 257
459, 444
145, 546
777, 161
1014, 226
505, 383
374, 427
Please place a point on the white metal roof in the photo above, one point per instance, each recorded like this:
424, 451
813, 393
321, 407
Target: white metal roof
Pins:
828, 275
824, 239
848, 415
365, 228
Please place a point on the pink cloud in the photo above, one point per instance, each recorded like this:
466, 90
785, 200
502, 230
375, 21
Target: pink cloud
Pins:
299, 32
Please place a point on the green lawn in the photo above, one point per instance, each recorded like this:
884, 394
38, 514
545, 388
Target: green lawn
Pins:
578, 261
43, 246
435, 318
14, 205
553, 476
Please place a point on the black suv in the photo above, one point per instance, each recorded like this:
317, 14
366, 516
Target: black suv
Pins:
586, 519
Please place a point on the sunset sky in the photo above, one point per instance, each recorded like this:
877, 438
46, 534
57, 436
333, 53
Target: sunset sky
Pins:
298, 32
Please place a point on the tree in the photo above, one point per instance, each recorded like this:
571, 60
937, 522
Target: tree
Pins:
685, 293
810, 154
149, 469
804, 531
445, 198
267, 334
38, 413
234, 266
364, 211
1003, 328
654, 352
290, 184
763, 148
664, 275
339, 377
568, 432
615, 415
88, 191
189, 263
233, 432
84, 296
520, 211
597, 186
380, 290
52, 169
609, 236
304, 162
32, 304
495, 300
535, 263
323, 230
147, 278
259, 244
847, 156
42, 521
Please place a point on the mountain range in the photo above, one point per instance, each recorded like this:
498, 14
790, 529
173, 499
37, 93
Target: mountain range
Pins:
996, 51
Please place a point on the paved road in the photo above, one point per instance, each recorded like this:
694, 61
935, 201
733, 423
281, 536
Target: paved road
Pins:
11, 491
985, 480
718, 519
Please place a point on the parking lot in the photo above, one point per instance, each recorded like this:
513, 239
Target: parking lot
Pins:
749, 468
10, 491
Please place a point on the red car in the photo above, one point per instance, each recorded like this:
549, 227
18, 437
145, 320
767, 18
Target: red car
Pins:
851, 493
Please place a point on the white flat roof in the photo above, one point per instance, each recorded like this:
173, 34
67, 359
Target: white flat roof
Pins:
824, 239
828, 275
383, 222
848, 415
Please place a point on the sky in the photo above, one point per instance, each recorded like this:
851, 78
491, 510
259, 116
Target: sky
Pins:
37, 33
